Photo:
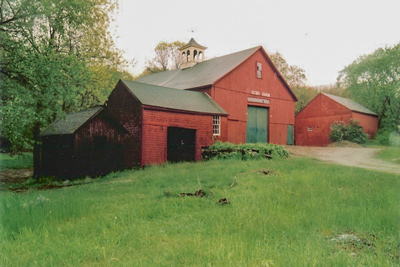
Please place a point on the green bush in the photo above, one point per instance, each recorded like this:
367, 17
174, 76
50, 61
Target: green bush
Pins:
382, 137
352, 131
244, 151
387, 136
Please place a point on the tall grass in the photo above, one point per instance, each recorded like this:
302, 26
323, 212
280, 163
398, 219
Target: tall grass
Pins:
136, 218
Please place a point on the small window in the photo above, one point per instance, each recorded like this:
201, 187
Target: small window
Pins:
216, 125
309, 128
259, 70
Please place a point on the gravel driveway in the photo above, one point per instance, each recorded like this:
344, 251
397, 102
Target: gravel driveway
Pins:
349, 156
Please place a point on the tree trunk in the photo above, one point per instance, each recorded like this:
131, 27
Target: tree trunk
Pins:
37, 164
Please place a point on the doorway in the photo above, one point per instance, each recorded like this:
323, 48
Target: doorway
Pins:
181, 144
257, 124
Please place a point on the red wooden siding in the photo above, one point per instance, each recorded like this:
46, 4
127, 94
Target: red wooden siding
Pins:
312, 127
368, 122
232, 93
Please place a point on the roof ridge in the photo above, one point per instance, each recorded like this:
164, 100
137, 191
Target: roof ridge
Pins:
234, 53
352, 105
204, 73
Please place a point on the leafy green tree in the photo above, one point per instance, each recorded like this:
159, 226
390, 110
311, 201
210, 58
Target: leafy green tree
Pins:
53, 55
166, 58
296, 78
304, 94
374, 81
333, 89
294, 75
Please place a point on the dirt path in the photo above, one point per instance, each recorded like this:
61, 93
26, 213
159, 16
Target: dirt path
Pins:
349, 156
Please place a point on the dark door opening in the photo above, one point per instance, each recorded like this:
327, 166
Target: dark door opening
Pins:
181, 144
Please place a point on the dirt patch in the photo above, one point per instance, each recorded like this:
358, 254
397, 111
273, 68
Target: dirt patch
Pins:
349, 156
224, 201
15, 176
199, 193
344, 144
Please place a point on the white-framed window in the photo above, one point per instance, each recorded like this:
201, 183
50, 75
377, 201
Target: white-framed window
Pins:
259, 70
216, 125
309, 128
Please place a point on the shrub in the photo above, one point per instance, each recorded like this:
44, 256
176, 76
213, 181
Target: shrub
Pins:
352, 132
244, 151
387, 136
382, 137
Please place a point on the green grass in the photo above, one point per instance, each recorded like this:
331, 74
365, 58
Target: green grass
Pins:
390, 154
22, 161
136, 218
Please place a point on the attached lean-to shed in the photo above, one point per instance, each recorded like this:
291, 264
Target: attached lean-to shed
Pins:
312, 127
84, 143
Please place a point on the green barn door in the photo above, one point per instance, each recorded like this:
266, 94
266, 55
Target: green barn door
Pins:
257, 124
289, 135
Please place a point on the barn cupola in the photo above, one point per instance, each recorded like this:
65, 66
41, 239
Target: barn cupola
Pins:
191, 54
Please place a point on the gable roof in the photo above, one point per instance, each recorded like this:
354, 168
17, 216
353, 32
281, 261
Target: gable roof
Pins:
71, 122
157, 96
350, 104
208, 72
200, 75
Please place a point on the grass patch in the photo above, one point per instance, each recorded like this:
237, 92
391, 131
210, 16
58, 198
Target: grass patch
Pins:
21, 161
390, 154
278, 212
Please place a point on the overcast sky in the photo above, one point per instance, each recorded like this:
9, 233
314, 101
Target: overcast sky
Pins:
322, 37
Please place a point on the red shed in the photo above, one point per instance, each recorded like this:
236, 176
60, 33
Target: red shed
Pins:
246, 84
314, 121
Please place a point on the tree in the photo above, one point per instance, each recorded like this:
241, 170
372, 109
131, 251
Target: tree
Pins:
166, 58
374, 81
296, 78
51, 53
332, 89
294, 75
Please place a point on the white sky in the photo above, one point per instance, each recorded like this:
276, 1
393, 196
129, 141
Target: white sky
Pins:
322, 37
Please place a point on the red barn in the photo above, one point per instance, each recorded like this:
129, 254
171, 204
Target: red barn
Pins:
170, 116
240, 97
314, 121
246, 84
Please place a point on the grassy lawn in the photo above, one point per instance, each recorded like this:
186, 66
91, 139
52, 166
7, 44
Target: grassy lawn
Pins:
25, 160
390, 154
295, 215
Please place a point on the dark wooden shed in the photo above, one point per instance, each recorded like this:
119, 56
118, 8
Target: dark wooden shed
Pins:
84, 143
313, 123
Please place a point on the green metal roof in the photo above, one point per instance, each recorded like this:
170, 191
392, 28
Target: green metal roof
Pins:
152, 95
202, 74
71, 122
350, 104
